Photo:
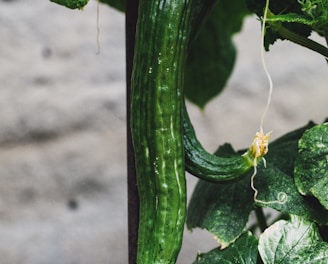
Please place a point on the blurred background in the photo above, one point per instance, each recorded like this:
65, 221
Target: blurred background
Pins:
63, 170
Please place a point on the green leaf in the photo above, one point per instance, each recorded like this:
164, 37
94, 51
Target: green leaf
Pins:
222, 209
211, 55
292, 135
277, 179
283, 151
281, 7
293, 242
273, 184
317, 13
79, 4
292, 18
73, 4
244, 250
117, 4
311, 166
226, 215
294, 21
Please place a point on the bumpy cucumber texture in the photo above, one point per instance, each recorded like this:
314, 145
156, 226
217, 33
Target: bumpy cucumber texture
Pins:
156, 96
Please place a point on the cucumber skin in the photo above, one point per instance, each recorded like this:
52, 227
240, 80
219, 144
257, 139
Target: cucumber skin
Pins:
162, 134
156, 96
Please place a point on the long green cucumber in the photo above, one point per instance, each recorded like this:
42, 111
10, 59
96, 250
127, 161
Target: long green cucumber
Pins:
161, 41
162, 133
208, 166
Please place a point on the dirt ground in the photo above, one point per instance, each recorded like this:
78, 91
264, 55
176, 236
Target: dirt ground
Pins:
63, 193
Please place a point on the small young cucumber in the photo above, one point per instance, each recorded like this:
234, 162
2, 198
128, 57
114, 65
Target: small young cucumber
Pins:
207, 166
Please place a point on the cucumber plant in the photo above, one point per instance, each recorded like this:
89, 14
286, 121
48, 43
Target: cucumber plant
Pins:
184, 49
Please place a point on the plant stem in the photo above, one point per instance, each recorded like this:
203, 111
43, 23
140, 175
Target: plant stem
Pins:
133, 197
300, 40
261, 218
259, 260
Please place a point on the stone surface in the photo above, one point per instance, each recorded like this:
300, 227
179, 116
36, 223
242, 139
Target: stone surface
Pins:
62, 128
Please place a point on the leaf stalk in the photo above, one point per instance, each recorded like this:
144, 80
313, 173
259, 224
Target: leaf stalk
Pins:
261, 219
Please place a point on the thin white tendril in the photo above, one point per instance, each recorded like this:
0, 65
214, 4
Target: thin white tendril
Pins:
98, 29
265, 14
281, 197
252, 182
